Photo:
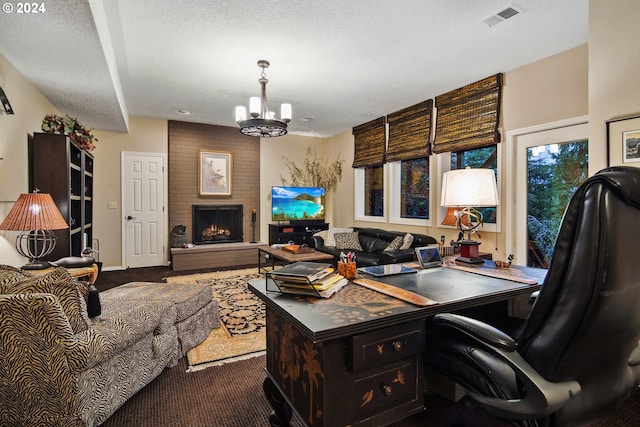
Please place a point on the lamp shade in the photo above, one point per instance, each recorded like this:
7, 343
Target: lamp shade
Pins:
34, 211
469, 187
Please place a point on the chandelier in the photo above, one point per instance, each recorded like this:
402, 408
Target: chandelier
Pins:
263, 122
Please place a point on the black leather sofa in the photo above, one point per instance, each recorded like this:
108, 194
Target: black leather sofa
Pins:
374, 241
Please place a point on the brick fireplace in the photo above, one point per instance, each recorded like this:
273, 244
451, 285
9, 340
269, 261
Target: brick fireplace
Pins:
186, 140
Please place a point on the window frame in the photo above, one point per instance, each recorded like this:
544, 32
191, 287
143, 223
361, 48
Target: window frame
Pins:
395, 191
358, 181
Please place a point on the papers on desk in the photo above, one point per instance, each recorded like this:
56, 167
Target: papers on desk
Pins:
308, 278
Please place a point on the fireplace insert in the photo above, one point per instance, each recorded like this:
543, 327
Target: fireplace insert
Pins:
216, 224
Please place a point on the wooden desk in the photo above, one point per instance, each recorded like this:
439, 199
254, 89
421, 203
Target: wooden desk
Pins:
356, 358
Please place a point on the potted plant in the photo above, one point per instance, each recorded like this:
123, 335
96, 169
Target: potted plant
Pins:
69, 126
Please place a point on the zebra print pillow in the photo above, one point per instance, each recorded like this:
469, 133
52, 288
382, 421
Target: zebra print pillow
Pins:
68, 290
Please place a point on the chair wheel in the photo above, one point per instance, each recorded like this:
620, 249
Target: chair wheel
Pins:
275, 421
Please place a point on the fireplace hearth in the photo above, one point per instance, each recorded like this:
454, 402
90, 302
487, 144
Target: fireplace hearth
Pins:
216, 224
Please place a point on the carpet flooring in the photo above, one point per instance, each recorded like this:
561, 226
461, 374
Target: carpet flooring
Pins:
216, 397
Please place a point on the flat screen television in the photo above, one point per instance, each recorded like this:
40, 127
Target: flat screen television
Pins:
297, 203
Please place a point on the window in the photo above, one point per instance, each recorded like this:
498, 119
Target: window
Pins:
414, 188
554, 172
369, 193
374, 191
409, 191
545, 164
486, 157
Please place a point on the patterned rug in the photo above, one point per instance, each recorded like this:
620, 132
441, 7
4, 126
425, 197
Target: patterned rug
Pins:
242, 316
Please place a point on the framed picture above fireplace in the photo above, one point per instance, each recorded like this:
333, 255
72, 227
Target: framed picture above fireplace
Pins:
214, 173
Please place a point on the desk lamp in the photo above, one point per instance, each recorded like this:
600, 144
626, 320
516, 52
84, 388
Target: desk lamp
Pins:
469, 188
35, 215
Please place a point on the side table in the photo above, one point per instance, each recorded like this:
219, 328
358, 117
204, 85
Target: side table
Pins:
88, 274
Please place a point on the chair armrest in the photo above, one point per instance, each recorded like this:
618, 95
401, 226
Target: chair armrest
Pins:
396, 256
476, 329
534, 296
634, 359
316, 242
542, 397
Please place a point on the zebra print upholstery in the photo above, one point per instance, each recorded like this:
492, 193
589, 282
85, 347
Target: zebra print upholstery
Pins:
53, 375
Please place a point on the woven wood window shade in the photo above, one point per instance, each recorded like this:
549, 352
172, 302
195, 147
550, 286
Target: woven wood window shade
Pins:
369, 143
468, 117
409, 132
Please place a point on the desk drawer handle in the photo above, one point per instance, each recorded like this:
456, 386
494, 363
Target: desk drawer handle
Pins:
388, 390
397, 345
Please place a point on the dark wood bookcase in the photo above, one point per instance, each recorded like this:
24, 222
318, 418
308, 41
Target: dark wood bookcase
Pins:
60, 167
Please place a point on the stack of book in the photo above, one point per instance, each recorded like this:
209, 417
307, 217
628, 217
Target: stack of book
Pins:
308, 278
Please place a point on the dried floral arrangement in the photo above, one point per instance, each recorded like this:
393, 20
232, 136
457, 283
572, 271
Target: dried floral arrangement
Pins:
314, 172
69, 126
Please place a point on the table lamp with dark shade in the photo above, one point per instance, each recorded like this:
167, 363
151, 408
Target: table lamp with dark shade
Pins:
35, 215
467, 189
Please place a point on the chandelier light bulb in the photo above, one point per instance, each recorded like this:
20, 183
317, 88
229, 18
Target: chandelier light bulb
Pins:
255, 106
285, 113
241, 113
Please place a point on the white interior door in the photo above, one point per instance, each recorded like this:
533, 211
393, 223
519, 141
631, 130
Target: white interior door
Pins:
143, 208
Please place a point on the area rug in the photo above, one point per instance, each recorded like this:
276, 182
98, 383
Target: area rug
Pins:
242, 316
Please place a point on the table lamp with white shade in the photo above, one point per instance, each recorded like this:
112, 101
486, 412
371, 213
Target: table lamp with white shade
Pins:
468, 189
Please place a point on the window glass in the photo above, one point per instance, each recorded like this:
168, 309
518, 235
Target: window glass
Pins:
414, 188
374, 191
554, 172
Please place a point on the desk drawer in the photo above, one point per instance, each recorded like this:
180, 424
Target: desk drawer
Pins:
382, 390
374, 349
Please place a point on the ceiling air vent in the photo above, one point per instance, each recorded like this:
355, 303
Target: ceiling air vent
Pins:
501, 16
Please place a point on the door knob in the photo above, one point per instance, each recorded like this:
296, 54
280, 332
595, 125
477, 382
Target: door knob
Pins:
129, 218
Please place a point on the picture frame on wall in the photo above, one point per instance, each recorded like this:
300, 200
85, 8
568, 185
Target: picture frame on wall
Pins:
623, 141
214, 173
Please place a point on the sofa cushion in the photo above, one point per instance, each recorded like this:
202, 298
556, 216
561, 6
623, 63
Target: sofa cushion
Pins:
71, 294
330, 240
395, 244
407, 240
348, 241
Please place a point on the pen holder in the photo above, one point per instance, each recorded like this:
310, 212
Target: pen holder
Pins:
347, 269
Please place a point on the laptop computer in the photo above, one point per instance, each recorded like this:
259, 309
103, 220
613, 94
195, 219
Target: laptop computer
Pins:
429, 256
386, 270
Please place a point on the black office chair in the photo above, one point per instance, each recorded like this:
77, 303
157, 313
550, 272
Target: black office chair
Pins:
577, 356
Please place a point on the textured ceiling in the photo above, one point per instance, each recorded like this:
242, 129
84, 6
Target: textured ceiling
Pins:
339, 63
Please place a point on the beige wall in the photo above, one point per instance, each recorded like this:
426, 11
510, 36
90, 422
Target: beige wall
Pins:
545, 91
272, 150
30, 107
145, 136
614, 80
